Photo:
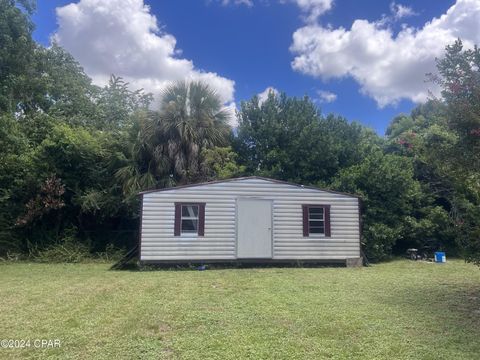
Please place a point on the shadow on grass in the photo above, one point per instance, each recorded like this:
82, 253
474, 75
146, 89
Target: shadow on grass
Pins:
204, 266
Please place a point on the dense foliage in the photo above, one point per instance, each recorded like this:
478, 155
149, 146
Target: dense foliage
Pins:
286, 138
74, 155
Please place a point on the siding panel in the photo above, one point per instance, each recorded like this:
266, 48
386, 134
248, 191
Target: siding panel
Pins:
219, 241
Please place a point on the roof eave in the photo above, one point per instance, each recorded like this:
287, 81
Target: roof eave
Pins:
247, 178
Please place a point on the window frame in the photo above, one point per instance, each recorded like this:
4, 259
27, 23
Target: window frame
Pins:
179, 217
326, 221
194, 218
322, 221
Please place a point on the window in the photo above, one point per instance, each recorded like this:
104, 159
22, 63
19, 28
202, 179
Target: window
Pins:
316, 220
189, 219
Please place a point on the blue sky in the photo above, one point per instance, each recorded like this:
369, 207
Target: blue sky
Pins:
367, 58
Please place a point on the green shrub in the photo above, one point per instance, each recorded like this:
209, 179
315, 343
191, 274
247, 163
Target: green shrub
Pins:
380, 241
68, 250
110, 254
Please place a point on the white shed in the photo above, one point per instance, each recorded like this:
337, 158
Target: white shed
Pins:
249, 218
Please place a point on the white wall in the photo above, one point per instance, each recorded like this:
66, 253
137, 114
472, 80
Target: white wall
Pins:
219, 242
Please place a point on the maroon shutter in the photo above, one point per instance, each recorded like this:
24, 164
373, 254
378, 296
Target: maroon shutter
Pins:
305, 220
326, 209
178, 216
201, 219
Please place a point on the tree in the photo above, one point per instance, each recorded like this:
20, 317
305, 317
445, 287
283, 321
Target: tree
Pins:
459, 78
444, 140
62, 139
33, 77
450, 211
171, 142
116, 103
460, 82
389, 196
287, 138
191, 119
16, 51
16, 172
220, 163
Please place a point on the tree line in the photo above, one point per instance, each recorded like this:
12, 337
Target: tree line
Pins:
73, 155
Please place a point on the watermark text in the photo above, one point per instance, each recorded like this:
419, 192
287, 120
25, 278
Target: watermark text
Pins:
30, 343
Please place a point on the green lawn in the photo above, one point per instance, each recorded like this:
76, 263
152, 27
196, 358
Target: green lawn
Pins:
397, 310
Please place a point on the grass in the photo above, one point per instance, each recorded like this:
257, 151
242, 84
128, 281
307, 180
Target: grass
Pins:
401, 310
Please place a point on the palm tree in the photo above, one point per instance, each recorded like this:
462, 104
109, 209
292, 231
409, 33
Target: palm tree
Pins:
191, 118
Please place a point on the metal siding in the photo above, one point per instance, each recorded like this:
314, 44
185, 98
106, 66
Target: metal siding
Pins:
219, 242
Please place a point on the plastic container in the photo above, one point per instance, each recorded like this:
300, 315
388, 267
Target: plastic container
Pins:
440, 257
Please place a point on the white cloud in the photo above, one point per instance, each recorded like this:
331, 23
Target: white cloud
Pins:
388, 67
326, 96
122, 37
264, 94
314, 8
400, 11
397, 12
311, 9
231, 109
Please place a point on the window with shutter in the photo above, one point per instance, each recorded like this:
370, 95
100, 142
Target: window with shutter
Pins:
316, 220
189, 219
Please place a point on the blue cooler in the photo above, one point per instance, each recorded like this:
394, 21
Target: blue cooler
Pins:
440, 257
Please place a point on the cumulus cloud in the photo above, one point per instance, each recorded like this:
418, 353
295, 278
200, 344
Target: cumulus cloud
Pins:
326, 96
388, 66
264, 94
122, 37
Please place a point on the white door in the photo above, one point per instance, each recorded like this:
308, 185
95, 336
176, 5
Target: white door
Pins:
254, 228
